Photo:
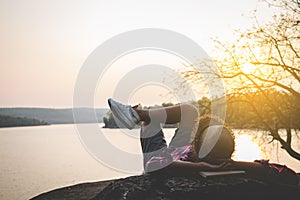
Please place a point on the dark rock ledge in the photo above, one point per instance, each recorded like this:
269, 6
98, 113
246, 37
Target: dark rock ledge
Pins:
164, 187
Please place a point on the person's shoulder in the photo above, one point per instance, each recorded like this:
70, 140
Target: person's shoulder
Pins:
280, 172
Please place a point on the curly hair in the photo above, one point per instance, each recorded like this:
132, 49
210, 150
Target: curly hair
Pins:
223, 148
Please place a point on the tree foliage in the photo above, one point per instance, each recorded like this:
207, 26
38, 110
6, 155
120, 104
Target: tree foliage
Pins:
9, 121
261, 70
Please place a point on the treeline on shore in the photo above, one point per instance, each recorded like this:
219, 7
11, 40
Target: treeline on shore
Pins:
8, 121
272, 108
243, 111
40, 116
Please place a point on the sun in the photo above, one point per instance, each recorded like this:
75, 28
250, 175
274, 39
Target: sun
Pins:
247, 68
246, 149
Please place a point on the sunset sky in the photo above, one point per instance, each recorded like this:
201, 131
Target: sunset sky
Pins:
43, 43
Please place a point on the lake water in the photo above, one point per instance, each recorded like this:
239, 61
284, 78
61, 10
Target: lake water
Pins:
38, 159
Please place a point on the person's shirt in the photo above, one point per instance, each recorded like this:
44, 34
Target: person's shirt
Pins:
167, 156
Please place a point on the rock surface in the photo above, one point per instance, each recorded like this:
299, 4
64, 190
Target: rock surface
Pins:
165, 187
83, 191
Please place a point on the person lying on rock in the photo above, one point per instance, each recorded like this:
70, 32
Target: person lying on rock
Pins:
199, 144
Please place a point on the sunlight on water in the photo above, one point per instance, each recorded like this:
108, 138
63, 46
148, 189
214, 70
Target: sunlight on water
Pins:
42, 158
246, 149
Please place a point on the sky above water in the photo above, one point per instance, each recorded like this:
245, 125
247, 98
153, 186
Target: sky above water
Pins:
44, 43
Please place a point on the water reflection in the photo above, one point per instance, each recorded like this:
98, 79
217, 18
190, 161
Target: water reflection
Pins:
255, 144
246, 149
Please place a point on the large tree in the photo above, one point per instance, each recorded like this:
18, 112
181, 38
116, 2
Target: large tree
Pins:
265, 58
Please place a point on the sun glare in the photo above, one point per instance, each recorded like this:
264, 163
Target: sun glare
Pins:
247, 68
246, 149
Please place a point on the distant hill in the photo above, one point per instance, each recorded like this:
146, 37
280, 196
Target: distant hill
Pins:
56, 116
8, 121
